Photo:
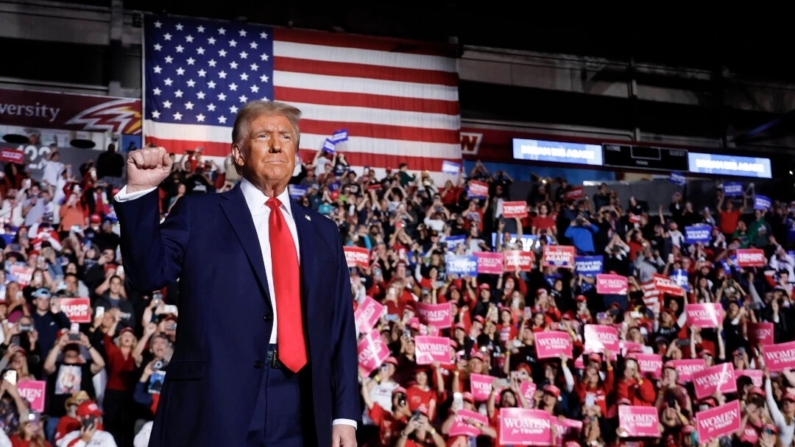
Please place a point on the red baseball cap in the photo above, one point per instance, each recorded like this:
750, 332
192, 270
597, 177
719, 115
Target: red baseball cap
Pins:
581, 298
485, 286
391, 360
524, 367
88, 408
95, 219
552, 389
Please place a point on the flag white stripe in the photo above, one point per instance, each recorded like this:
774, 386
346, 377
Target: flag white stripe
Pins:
359, 56
342, 115
376, 146
382, 146
364, 85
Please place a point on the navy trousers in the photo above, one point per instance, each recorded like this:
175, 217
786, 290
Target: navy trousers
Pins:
283, 413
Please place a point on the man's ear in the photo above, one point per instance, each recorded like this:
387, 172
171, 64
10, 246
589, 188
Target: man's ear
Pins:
237, 155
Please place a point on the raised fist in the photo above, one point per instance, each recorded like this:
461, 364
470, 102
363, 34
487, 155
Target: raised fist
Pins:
147, 168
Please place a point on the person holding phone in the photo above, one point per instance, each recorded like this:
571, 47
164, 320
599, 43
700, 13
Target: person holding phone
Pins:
91, 430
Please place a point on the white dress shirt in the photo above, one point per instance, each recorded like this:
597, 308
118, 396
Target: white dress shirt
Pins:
255, 199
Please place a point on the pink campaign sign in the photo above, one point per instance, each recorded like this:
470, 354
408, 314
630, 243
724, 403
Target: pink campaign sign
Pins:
480, 386
610, 284
552, 344
521, 426
703, 315
33, 392
718, 378
465, 421
718, 421
756, 376
432, 349
438, 315
686, 368
528, 390
638, 422
600, 337
567, 428
780, 356
650, 364
372, 352
760, 334
489, 263
367, 315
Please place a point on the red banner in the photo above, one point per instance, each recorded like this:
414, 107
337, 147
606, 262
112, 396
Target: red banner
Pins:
559, 256
77, 309
575, 193
518, 258
357, 256
514, 209
751, 257
8, 155
46, 110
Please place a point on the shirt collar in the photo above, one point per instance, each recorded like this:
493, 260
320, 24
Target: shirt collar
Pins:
255, 199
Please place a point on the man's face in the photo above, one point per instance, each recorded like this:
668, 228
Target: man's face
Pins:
267, 153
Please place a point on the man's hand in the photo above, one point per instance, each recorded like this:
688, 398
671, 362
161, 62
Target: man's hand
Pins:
147, 168
343, 436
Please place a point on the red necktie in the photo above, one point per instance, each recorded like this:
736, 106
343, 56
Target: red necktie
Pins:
287, 286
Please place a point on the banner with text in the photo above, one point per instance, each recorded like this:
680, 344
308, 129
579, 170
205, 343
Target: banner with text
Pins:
559, 256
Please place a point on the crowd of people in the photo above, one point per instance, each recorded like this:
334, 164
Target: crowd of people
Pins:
98, 378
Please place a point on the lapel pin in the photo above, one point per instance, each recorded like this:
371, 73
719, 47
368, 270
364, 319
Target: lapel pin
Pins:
307, 217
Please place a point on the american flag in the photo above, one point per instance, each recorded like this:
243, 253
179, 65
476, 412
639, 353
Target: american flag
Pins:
398, 101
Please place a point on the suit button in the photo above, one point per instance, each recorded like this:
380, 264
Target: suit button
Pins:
267, 318
258, 364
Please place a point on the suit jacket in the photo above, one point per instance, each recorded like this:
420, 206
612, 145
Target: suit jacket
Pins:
210, 244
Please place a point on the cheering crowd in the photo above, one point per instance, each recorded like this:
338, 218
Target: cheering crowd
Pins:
559, 320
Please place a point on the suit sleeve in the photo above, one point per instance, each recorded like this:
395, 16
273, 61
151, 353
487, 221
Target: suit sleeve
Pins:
153, 252
345, 359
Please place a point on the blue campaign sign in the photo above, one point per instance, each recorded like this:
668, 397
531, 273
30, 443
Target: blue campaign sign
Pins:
698, 234
733, 189
448, 167
453, 241
679, 276
589, 265
677, 178
297, 191
340, 136
328, 146
462, 265
557, 152
762, 202
734, 165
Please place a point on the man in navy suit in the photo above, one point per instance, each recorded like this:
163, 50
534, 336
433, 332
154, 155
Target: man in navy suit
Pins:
266, 351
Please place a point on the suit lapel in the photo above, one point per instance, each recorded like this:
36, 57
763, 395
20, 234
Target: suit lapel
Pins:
306, 240
236, 211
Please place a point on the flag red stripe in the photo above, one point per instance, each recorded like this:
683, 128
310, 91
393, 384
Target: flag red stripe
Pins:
354, 158
381, 131
351, 70
289, 94
363, 42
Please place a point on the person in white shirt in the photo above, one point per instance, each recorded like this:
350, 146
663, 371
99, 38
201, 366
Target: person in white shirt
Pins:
52, 168
12, 208
90, 433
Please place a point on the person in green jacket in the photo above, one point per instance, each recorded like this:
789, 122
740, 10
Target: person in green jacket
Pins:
760, 230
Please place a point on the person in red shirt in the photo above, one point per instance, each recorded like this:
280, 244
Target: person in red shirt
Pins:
419, 432
69, 422
593, 385
124, 355
633, 387
390, 424
544, 222
507, 327
729, 216
30, 434
462, 440
420, 393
